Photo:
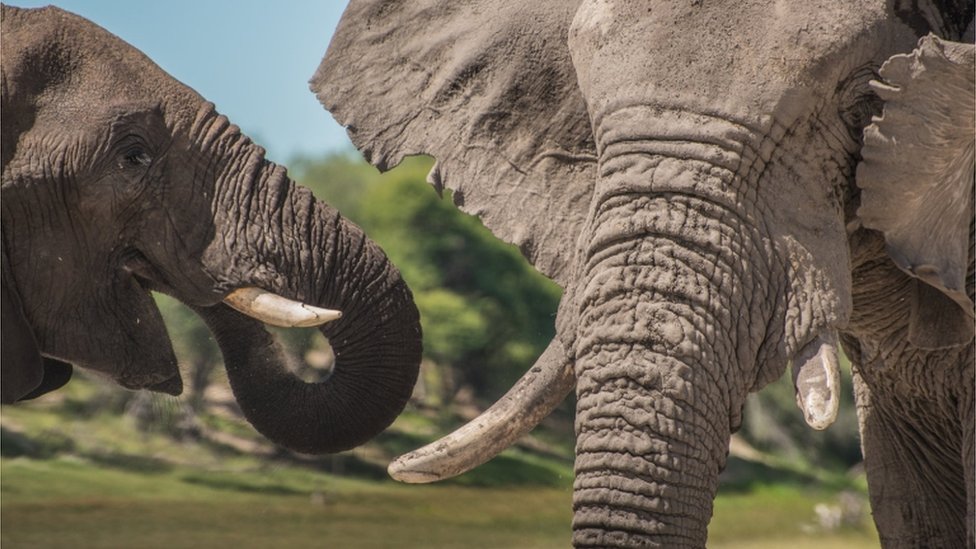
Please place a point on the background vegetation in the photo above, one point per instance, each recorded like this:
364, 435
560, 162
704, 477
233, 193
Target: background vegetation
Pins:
96, 466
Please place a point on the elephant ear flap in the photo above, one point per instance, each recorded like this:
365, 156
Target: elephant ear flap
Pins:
22, 368
488, 88
917, 181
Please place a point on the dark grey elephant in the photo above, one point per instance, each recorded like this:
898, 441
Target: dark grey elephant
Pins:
686, 172
118, 180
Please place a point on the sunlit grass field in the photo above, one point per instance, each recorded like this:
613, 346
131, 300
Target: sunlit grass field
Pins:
64, 504
70, 503
98, 481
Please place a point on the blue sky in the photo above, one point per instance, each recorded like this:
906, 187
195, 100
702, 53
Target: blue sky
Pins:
252, 58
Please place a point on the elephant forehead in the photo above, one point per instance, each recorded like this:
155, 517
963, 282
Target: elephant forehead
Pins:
719, 55
70, 65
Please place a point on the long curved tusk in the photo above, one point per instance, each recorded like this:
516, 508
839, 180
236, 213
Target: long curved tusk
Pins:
527, 403
276, 310
816, 376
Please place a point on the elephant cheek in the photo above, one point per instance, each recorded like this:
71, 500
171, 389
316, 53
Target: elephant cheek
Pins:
119, 333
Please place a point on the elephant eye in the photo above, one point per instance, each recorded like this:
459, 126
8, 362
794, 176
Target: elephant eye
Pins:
858, 114
858, 103
136, 157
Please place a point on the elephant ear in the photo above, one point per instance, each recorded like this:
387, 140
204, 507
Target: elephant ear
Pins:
22, 369
24, 373
487, 87
917, 181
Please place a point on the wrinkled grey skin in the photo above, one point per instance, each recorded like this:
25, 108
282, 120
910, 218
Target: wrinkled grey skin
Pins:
118, 179
686, 171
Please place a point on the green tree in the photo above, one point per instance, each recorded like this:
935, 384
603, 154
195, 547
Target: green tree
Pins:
486, 313
340, 178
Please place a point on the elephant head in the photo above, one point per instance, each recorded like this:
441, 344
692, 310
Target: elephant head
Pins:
686, 172
118, 180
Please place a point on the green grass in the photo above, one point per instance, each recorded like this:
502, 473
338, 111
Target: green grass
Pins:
61, 503
72, 476
68, 502
784, 516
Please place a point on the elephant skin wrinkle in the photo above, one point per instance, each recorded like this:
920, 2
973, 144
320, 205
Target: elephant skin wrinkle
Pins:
688, 173
118, 180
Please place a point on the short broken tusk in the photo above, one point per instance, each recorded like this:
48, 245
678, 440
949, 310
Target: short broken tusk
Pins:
276, 310
816, 376
528, 402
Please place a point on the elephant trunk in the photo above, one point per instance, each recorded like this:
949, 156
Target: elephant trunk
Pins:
668, 313
648, 452
281, 239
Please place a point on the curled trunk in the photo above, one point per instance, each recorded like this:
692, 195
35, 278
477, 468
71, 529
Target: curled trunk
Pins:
377, 354
290, 244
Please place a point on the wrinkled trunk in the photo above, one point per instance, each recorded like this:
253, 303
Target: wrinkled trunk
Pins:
667, 316
276, 236
377, 350
651, 442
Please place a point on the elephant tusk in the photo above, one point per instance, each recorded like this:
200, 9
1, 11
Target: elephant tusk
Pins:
816, 376
276, 310
529, 401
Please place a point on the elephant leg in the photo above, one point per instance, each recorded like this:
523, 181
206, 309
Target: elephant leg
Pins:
917, 482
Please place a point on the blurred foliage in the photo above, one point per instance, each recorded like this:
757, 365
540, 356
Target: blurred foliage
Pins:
195, 347
486, 313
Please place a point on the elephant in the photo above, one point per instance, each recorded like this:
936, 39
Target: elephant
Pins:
118, 180
722, 189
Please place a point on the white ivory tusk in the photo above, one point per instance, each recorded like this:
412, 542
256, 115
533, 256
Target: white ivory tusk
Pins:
816, 376
276, 310
529, 401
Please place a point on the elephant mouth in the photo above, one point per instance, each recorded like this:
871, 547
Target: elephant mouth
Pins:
257, 303
172, 386
152, 278
252, 302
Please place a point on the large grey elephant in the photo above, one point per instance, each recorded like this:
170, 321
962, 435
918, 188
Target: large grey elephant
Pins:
689, 173
118, 180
